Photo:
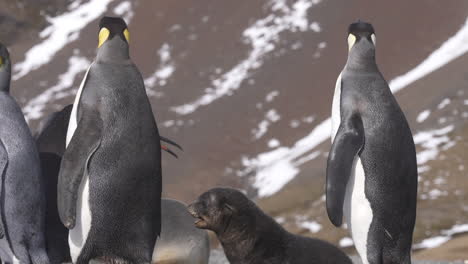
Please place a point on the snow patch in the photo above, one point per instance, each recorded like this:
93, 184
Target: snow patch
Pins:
271, 96
453, 48
34, 109
312, 226
63, 29
280, 220
276, 168
164, 71
423, 116
315, 26
346, 242
444, 103
445, 236
263, 36
270, 117
431, 142
124, 10
273, 143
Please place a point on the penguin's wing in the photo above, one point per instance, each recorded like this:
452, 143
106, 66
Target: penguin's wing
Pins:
52, 132
348, 142
3, 165
85, 141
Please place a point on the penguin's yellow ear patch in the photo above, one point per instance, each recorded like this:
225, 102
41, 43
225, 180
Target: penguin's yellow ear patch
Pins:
103, 36
1, 61
374, 40
351, 41
127, 35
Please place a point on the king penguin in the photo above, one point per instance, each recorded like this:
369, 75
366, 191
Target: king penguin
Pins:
109, 184
22, 206
371, 167
50, 140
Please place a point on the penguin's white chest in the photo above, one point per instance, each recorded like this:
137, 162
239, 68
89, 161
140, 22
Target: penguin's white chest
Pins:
357, 211
78, 235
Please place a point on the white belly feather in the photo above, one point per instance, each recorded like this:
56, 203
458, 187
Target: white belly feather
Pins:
356, 208
78, 235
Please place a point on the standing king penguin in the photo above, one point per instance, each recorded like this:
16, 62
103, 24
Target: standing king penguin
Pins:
22, 206
50, 140
109, 185
371, 169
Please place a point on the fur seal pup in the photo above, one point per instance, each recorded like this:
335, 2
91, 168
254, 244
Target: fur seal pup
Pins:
249, 236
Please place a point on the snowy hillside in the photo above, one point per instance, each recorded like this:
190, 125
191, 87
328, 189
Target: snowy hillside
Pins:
246, 88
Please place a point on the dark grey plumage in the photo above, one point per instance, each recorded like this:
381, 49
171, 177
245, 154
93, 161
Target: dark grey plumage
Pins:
180, 241
22, 225
109, 185
371, 169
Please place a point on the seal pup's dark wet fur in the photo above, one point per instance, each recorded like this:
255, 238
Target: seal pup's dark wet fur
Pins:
249, 236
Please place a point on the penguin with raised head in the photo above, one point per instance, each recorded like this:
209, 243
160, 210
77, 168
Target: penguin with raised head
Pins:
23, 202
109, 184
371, 168
51, 139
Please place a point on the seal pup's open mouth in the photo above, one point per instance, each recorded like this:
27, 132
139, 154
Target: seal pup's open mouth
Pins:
199, 220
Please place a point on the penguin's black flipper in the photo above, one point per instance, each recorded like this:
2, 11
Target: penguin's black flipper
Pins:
52, 132
3, 165
85, 141
164, 139
348, 142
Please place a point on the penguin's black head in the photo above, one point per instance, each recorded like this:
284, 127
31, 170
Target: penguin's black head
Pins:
359, 31
4, 58
111, 27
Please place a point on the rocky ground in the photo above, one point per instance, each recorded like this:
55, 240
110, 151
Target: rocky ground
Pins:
217, 257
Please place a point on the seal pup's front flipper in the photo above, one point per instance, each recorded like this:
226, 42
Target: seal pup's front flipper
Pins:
346, 146
85, 141
3, 165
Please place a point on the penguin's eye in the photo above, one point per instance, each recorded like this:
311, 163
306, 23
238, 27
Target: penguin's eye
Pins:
127, 35
103, 36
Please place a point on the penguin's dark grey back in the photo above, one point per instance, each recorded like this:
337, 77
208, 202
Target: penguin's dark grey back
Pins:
180, 241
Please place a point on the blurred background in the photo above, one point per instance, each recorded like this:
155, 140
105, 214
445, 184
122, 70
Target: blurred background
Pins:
246, 88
